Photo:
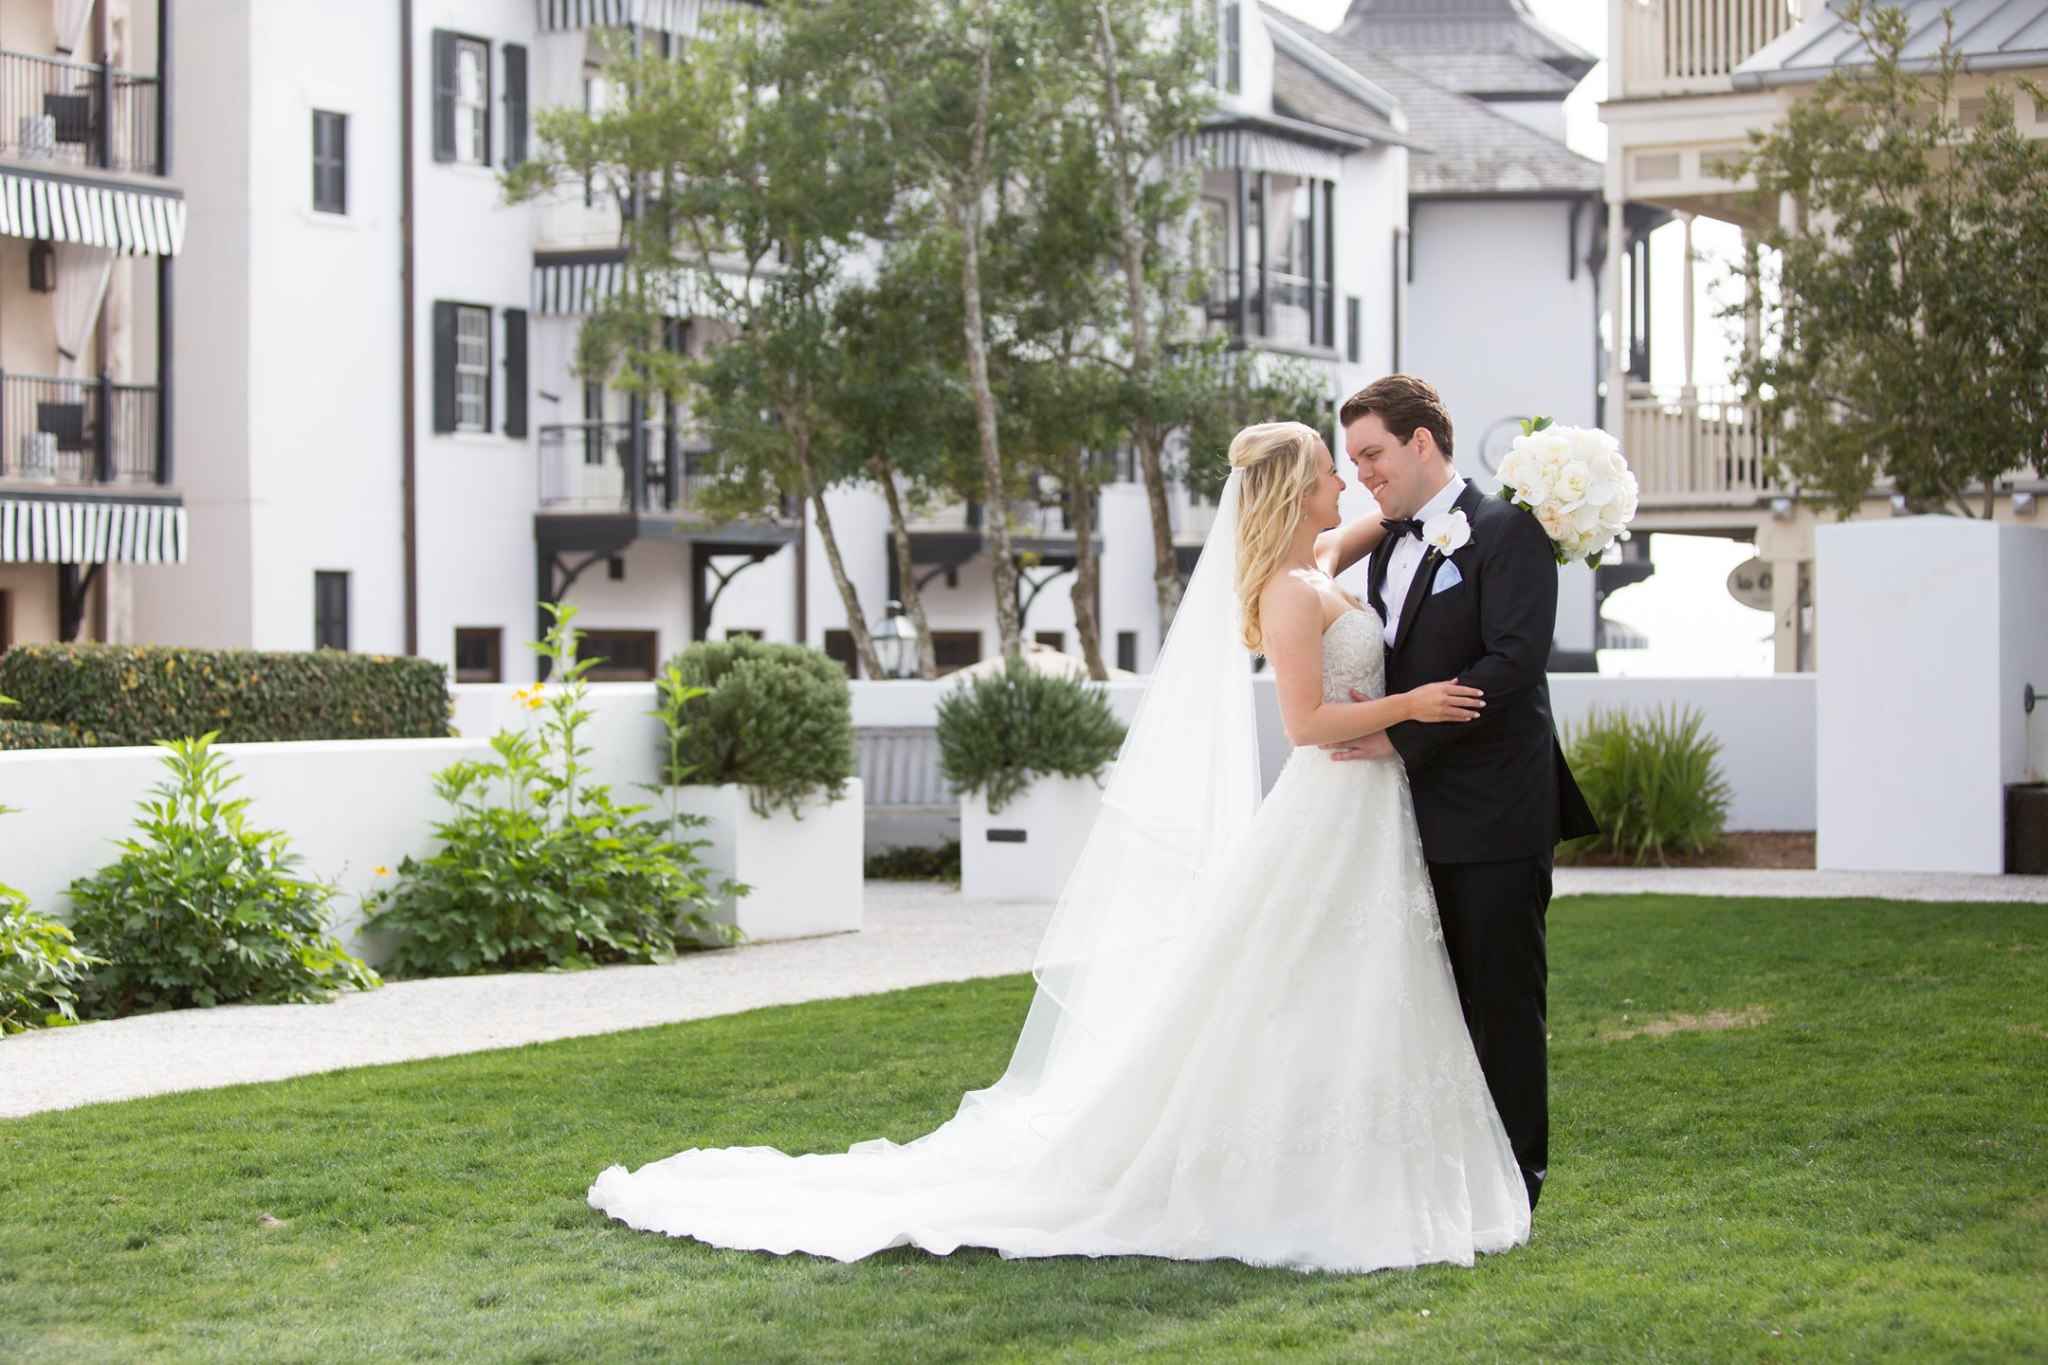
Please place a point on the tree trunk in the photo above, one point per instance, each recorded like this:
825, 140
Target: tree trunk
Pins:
906, 573
856, 623
966, 211
1148, 439
1080, 498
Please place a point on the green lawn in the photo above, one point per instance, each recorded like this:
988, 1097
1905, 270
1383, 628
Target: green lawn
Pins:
1848, 1164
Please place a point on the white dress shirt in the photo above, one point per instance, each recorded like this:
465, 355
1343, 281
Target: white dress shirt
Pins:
1406, 557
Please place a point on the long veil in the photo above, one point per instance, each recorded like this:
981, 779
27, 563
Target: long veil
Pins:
1178, 801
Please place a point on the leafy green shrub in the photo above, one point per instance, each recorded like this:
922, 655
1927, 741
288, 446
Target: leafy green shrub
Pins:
138, 694
775, 718
997, 731
538, 865
41, 967
941, 864
35, 734
202, 909
1654, 784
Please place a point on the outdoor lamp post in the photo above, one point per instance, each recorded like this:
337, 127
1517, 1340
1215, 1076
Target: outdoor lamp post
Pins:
895, 639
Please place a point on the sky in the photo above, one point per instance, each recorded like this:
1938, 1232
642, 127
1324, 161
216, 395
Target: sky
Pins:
1695, 629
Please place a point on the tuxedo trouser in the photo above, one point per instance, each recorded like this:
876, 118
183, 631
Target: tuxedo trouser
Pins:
1492, 916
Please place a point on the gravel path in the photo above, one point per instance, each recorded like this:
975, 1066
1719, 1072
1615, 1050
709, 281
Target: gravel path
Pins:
916, 934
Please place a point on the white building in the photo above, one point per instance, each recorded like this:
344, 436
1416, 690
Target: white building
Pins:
89, 224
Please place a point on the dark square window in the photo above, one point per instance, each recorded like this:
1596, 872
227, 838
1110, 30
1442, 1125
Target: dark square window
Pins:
839, 648
330, 162
479, 654
1127, 650
623, 655
1052, 639
330, 610
956, 649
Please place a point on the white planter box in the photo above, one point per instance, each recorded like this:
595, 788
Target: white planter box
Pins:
805, 873
1026, 851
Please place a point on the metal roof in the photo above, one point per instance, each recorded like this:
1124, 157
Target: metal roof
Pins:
1990, 35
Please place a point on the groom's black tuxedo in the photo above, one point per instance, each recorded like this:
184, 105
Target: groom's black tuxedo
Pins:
1492, 796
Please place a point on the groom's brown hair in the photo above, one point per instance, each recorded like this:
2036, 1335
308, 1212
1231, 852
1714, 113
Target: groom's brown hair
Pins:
1403, 403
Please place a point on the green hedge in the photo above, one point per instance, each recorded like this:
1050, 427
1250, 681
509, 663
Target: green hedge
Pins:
35, 734
776, 718
138, 694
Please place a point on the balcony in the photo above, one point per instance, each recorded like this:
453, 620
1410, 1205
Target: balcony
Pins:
80, 432
79, 114
1703, 446
1292, 312
1692, 47
639, 470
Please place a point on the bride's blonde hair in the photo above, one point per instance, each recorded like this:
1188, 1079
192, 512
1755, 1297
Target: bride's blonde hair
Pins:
1281, 466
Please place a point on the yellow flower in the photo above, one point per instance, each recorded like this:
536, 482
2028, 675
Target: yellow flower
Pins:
383, 871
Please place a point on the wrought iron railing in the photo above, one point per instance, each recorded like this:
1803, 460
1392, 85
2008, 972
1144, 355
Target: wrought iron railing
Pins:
79, 114
652, 466
80, 431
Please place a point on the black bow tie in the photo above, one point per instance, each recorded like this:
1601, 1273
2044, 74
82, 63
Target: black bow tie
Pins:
1402, 526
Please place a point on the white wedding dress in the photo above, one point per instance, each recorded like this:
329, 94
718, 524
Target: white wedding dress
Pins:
1281, 1077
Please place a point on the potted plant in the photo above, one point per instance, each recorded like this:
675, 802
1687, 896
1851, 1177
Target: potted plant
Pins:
760, 746
1026, 751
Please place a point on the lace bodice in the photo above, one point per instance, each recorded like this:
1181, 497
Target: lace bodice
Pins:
1354, 655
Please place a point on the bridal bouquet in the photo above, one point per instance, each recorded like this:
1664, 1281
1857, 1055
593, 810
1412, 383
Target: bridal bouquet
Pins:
1575, 483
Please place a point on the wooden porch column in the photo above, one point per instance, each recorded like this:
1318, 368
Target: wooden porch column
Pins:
1616, 413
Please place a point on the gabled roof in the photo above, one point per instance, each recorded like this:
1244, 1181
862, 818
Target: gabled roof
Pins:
1467, 28
1301, 92
1461, 147
1990, 35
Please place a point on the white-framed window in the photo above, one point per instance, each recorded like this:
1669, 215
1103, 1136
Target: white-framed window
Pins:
472, 369
472, 102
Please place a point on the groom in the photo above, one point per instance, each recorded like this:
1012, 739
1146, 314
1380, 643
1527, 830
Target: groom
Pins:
1493, 796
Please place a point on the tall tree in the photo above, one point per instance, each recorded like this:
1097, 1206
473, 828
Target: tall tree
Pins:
1903, 289
749, 176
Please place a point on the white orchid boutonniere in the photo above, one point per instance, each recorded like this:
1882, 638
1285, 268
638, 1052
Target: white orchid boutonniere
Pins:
1447, 532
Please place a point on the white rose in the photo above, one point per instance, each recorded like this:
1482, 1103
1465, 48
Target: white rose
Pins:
1555, 521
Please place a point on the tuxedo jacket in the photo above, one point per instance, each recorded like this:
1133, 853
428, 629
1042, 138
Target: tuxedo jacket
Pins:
1495, 788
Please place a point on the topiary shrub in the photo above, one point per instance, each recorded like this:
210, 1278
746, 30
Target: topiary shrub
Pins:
1654, 784
139, 694
35, 734
202, 908
538, 866
998, 731
777, 719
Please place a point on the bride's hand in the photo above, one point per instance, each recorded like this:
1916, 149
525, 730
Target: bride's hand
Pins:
1435, 703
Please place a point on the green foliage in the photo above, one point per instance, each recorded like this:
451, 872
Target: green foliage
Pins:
538, 865
36, 734
941, 864
41, 967
1654, 784
1904, 295
139, 694
998, 731
776, 718
203, 909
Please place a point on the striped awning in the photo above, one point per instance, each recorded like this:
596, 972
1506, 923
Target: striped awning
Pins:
574, 283
60, 208
687, 18
91, 531
1231, 149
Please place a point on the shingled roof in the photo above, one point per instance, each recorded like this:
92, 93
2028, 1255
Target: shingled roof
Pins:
1470, 28
1301, 92
1461, 147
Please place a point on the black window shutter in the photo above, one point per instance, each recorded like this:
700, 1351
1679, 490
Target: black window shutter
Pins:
444, 96
515, 371
444, 366
490, 361
515, 104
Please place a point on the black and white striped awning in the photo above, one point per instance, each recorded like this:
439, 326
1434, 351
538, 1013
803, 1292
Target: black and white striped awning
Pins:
1230, 149
572, 283
58, 208
91, 531
687, 18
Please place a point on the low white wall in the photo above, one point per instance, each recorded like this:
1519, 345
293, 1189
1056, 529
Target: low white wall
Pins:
350, 807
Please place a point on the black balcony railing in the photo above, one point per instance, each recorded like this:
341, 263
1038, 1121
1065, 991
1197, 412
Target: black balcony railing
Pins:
79, 114
1292, 310
80, 431
602, 467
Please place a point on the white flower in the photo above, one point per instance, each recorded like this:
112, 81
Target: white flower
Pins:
1448, 531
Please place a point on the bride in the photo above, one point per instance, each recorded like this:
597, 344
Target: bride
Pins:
1245, 1041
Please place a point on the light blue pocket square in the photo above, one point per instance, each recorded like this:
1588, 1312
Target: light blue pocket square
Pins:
1446, 577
